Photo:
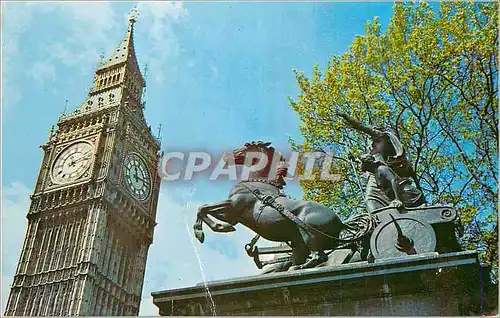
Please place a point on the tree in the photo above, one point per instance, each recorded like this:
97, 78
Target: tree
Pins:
432, 77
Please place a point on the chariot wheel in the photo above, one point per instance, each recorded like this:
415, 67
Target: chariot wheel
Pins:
402, 235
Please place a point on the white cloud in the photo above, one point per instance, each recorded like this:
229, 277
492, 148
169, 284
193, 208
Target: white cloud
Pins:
156, 20
90, 29
15, 204
11, 95
162, 11
215, 71
17, 20
42, 71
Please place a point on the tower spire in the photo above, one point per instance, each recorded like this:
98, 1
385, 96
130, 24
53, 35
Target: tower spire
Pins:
125, 52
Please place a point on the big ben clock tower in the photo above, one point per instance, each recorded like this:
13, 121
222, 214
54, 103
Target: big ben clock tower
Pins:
93, 210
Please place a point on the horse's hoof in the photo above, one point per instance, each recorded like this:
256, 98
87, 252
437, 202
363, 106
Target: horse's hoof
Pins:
199, 235
294, 268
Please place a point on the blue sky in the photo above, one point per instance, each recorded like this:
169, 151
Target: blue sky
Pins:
219, 75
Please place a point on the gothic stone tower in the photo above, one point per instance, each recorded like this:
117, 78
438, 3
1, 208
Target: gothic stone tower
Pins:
93, 209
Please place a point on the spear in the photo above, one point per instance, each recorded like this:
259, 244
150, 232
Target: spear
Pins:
351, 161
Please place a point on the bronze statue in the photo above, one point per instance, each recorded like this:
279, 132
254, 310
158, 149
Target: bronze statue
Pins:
398, 189
396, 224
389, 182
259, 204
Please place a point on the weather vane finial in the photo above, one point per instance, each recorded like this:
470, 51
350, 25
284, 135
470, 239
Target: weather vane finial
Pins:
133, 14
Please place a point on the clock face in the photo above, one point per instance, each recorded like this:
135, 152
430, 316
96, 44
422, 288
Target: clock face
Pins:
137, 177
72, 162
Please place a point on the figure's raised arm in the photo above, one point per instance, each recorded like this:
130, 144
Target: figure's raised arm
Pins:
375, 133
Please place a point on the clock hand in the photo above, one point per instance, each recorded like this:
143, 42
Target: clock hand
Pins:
87, 152
80, 159
137, 177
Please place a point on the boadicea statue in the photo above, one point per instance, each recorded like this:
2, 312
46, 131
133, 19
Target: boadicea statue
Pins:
397, 222
389, 181
259, 204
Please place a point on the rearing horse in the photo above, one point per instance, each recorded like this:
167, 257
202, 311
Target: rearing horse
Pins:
310, 228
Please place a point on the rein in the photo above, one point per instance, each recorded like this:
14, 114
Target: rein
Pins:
269, 200
271, 182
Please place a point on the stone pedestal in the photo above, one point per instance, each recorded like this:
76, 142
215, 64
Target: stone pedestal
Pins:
432, 284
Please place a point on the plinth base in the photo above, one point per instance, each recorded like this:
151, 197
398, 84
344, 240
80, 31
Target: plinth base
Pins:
449, 284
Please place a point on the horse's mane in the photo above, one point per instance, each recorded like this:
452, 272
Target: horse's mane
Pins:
281, 169
281, 163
